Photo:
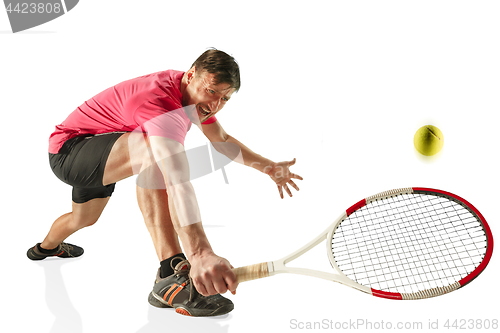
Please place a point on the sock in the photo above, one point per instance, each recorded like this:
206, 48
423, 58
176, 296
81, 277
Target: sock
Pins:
45, 251
166, 269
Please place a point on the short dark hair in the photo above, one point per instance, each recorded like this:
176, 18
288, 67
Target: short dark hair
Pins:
221, 64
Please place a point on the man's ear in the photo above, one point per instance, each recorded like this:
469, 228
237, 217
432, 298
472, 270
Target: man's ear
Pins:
190, 74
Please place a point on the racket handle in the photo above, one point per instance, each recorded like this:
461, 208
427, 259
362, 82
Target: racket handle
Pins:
251, 272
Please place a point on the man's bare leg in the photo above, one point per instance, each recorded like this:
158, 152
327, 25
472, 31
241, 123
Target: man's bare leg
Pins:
154, 207
130, 153
118, 167
82, 215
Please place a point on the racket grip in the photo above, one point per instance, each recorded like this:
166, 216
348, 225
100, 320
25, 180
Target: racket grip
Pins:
251, 272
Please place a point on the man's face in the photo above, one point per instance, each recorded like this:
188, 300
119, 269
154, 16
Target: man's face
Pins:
202, 92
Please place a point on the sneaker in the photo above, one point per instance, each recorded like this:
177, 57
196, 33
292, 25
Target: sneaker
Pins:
177, 291
64, 250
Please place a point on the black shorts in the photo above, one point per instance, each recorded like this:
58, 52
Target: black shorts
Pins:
80, 163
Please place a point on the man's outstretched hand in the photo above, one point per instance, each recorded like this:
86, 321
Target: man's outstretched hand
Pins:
280, 173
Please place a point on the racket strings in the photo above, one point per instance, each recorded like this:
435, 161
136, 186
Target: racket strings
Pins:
409, 243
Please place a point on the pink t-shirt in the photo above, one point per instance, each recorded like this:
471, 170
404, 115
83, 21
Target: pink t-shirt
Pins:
150, 103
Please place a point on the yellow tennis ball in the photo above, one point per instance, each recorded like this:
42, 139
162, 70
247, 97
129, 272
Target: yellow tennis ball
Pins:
428, 140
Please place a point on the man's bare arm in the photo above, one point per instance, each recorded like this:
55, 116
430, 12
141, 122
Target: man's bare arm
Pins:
225, 144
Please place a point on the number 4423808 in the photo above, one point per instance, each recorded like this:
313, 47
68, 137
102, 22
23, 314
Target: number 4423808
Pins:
462, 324
33, 8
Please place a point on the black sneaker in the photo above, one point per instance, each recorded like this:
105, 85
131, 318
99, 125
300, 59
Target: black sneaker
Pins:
177, 291
64, 250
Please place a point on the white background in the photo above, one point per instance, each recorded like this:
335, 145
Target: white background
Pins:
340, 85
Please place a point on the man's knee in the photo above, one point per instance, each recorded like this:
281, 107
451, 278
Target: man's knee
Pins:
87, 214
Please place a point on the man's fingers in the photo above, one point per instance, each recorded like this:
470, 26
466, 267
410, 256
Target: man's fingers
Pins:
200, 287
220, 286
231, 282
288, 190
212, 287
293, 185
280, 189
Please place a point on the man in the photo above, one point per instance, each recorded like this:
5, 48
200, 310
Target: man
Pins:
138, 127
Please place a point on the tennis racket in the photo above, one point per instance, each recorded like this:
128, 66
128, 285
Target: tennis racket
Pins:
410, 243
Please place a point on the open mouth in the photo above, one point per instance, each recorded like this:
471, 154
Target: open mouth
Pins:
203, 111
